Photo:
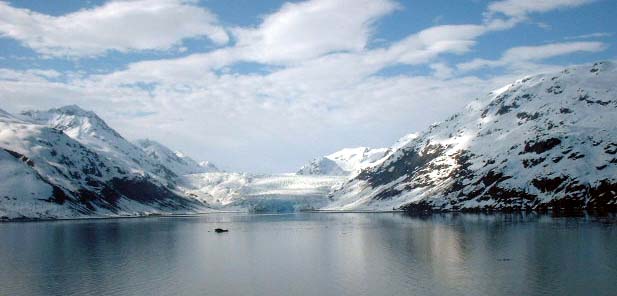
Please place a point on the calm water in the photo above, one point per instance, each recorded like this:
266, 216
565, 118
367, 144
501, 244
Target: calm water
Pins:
312, 254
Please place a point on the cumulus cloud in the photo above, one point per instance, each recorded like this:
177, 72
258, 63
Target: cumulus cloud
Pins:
117, 25
310, 29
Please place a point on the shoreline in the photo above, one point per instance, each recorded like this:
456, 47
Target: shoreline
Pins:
581, 213
115, 217
20, 220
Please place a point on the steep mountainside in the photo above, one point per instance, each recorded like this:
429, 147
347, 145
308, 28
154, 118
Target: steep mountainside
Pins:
91, 131
47, 174
179, 163
547, 141
343, 162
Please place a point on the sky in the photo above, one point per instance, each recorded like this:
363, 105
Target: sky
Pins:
264, 86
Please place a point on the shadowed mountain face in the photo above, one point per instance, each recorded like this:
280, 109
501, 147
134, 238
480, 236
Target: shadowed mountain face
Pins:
547, 141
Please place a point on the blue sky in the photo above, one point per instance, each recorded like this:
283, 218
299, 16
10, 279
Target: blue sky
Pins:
266, 85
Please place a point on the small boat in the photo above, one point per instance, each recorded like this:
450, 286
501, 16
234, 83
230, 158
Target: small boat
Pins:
219, 230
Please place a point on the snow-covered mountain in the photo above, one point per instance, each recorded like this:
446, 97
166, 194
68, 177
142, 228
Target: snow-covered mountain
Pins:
67, 162
179, 163
91, 131
547, 141
343, 162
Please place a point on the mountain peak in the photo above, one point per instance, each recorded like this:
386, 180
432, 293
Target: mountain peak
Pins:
73, 110
73, 120
344, 161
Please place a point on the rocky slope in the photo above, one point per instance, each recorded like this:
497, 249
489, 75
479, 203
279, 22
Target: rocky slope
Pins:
543, 142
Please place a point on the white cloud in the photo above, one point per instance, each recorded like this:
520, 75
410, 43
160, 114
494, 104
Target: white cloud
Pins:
418, 48
321, 91
589, 36
261, 122
521, 55
427, 44
117, 25
441, 70
534, 53
310, 29
522, 8
27, 75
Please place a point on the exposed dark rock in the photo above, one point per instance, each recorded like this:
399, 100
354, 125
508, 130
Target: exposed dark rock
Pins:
541, 146
548, 184
409, 162
58, 195
528, 116
603, 195
503, 109
576, 155
555, 89
20, 157
531, 162
610, 148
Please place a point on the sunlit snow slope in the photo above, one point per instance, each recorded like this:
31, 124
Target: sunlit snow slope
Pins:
547, 141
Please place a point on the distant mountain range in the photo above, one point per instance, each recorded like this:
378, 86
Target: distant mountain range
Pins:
543, 142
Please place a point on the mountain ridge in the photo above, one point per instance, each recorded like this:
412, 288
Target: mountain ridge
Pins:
542, 142
179, 163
